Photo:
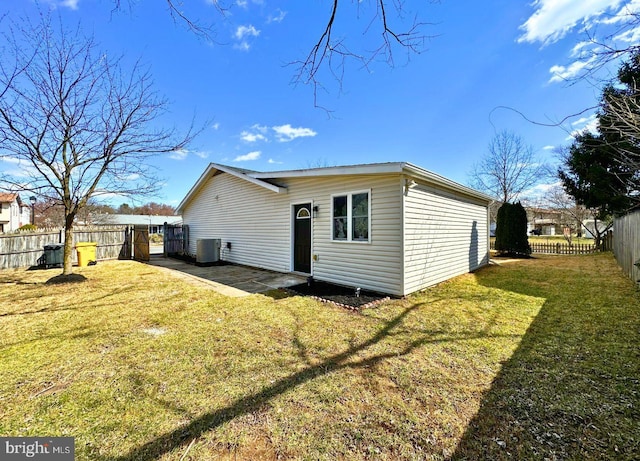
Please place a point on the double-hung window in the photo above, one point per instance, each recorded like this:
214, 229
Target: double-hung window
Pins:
350, 213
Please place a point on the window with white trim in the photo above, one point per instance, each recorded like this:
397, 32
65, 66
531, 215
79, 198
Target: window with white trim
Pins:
350, 214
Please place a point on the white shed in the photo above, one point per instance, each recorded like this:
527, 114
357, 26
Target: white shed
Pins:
387, 227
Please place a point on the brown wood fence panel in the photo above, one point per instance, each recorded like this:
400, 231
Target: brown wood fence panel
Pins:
626, 244
175, 239
141, 243
24, 249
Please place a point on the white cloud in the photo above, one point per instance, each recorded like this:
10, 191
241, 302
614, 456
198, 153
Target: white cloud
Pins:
73, 4
255, 155
242, 46
252, 137
548, 147
583, 124
256, 133
286, 133
216, 126
274, 162
623, 13
562, 73
541, 191
22, 168
578, 49
629, 36
242, 34
179, 154
277, 16
6, 158
553, 19
246, 31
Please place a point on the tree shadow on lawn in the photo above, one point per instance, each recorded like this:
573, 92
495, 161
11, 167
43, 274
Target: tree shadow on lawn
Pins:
571, 390
251, 403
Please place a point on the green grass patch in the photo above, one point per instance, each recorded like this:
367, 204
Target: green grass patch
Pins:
531, 359
560, 239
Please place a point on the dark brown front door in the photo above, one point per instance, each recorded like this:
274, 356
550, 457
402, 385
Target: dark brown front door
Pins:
302, 238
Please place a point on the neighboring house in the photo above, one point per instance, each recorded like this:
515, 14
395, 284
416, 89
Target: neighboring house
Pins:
389, 227
589, 228
155, 222
543, 221
13, 212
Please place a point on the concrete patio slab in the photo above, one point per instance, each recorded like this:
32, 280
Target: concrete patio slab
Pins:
231, 279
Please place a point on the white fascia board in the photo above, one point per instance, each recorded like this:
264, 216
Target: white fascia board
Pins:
251, 178
436, 179
212, 168
373, 168
378, 168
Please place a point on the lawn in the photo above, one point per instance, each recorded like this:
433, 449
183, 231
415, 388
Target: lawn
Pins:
527, 360
560, 239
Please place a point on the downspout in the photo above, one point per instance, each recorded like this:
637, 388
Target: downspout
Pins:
403, 181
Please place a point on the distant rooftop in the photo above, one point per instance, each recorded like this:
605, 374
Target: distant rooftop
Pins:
136, 219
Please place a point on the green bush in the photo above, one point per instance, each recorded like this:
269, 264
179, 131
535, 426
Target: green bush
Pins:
511, 230
27, 227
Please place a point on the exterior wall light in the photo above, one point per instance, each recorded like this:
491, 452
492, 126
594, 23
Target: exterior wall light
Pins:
32, 199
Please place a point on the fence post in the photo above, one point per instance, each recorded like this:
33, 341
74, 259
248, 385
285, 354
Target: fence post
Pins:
165, 231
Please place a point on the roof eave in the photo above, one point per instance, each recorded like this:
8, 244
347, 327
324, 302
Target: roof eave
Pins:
211, 168
373, 168
421, 173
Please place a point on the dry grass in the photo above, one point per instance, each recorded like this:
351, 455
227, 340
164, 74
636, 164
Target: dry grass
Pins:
531, 359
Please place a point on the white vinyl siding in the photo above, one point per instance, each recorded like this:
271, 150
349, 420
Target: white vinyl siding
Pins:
257, 222
415, 240
376, 265
445, 235
254, 220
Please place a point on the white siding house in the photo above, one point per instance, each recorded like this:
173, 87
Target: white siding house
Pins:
13, 212
390, 227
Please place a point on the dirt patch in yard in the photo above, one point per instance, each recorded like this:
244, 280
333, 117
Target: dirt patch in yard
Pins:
339, 295
70, 278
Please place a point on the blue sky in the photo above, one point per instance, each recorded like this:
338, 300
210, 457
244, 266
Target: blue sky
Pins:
437, 109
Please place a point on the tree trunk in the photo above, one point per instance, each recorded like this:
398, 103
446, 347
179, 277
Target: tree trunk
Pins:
68, 246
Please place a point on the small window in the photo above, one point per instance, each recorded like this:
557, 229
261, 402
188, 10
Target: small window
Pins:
360, 217
340, 217
303, 213
350, 217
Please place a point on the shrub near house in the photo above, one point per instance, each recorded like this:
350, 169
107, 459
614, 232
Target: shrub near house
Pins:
511, 230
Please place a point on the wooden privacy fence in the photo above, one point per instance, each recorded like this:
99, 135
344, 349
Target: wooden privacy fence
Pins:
24, 249
626, 244
176, 238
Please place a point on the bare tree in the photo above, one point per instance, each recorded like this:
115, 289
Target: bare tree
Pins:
508, 169
397, 28
75, 122
617, 44
619, 118
581, 216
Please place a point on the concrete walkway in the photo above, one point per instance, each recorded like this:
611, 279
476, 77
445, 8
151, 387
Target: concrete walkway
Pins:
230, 280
